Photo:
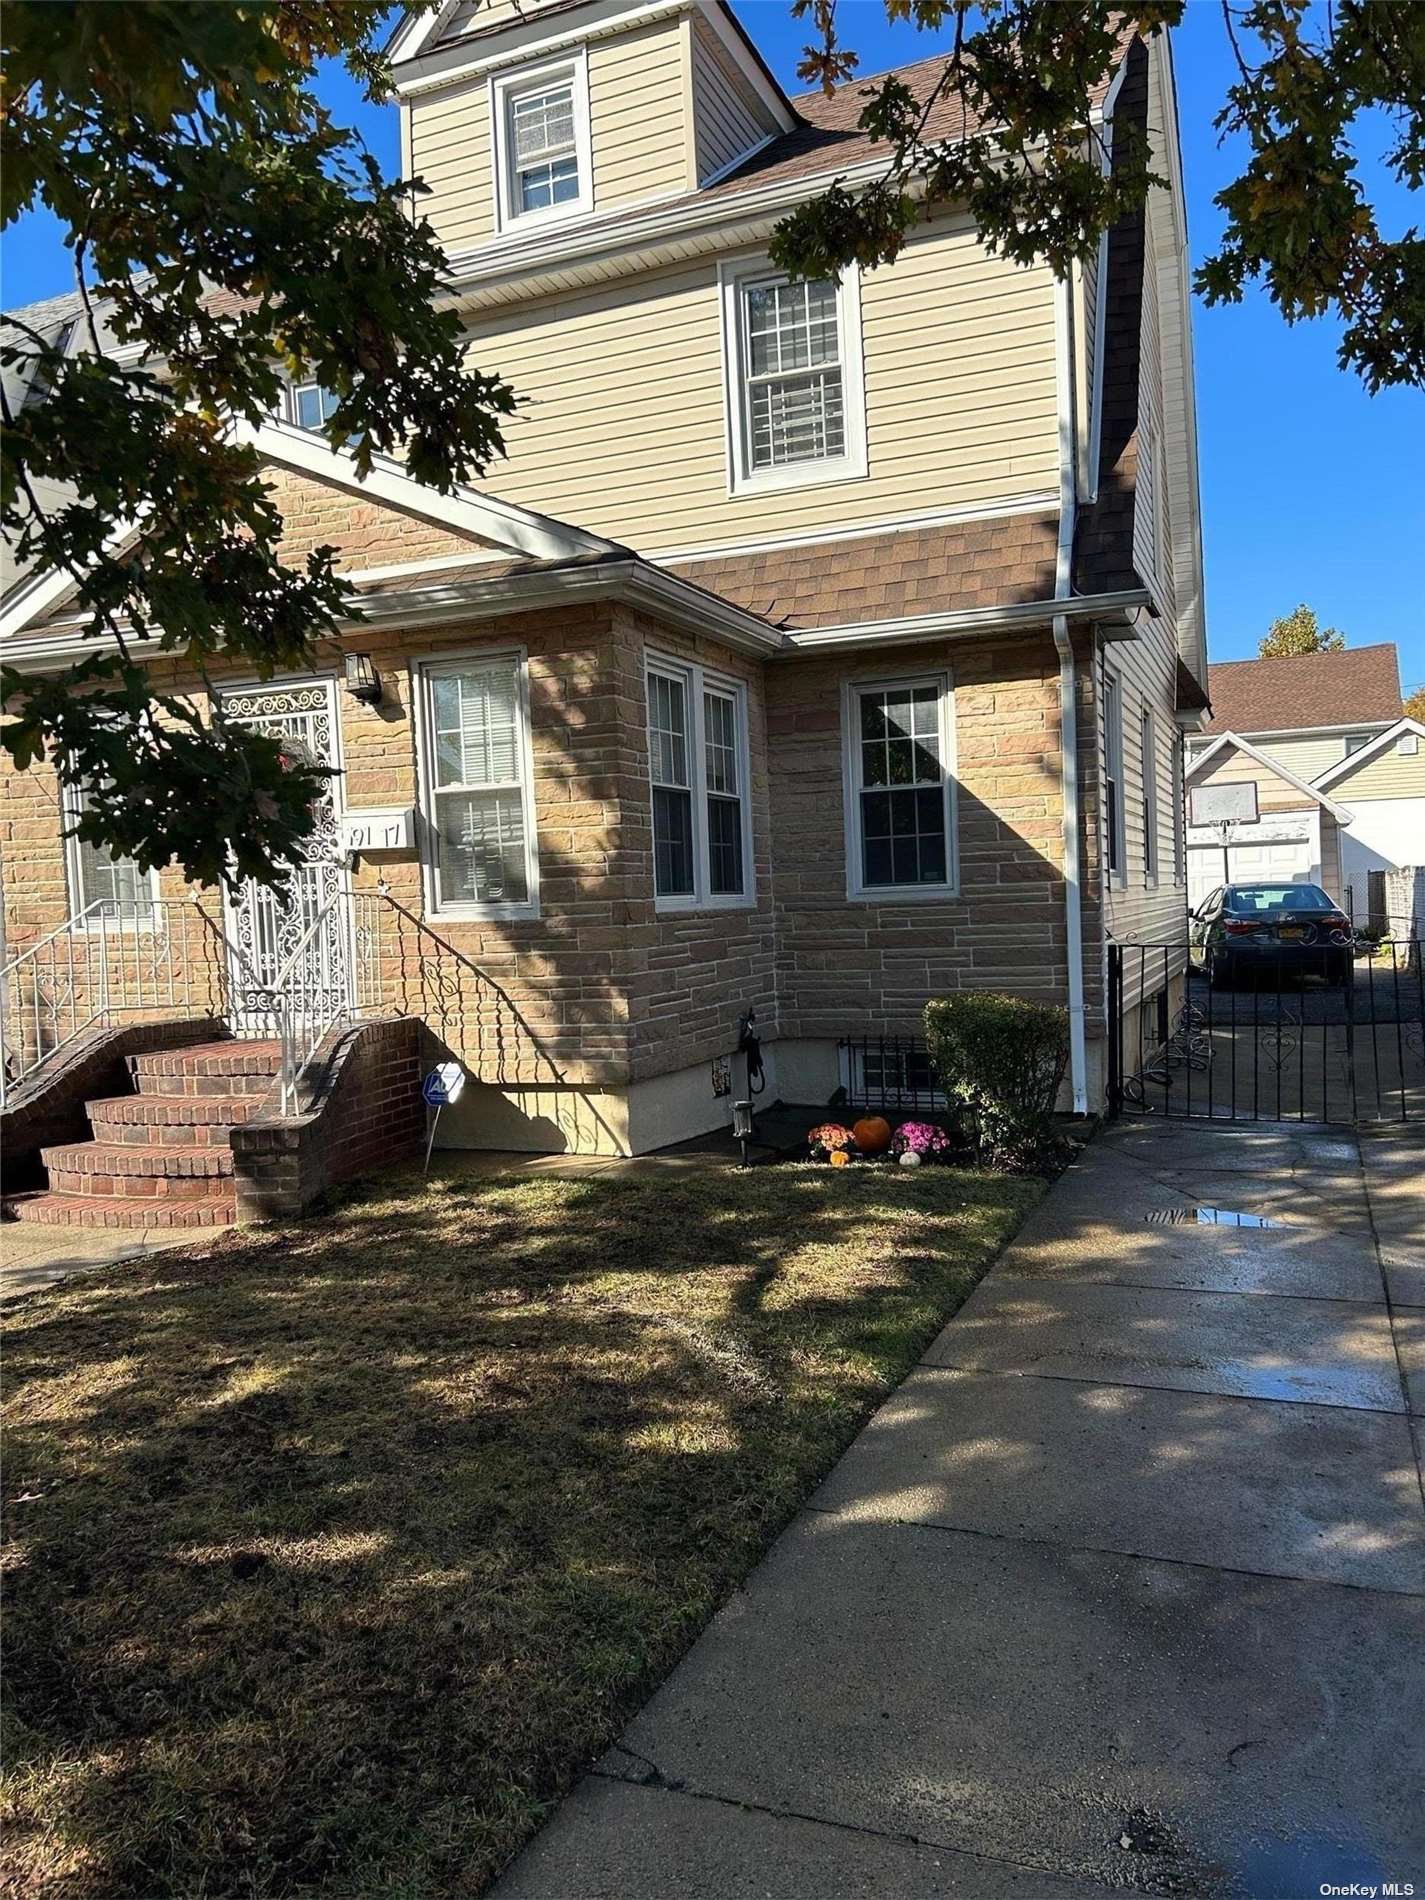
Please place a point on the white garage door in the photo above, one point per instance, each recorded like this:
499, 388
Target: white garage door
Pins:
1262, 852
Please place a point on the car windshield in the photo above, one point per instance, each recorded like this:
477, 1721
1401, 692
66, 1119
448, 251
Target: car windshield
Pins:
1257, 898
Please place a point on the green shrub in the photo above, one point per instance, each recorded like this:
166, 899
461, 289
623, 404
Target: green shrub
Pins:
1002, 1060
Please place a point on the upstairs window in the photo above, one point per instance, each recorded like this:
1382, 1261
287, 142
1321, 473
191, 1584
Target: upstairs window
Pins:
310, 405
796, 409
541, 127
697, 767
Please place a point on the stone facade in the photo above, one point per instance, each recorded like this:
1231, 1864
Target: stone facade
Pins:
595, 1024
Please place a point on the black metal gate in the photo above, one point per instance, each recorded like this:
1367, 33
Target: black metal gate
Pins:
1273, 1044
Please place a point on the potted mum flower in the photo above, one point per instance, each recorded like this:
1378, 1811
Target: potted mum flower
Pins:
923, 1140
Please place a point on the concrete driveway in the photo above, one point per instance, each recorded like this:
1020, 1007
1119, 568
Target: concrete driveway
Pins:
1123, 1589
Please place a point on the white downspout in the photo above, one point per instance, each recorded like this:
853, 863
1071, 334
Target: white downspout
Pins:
1068, 700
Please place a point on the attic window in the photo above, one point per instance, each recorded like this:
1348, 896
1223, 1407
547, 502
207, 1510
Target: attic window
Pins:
541, 121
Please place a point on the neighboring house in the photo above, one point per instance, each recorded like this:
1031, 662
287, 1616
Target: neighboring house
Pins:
802, 753
1340, 773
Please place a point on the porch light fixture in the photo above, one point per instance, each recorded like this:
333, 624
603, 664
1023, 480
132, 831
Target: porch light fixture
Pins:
363, 682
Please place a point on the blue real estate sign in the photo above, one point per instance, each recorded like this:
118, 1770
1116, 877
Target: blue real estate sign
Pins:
443, 1085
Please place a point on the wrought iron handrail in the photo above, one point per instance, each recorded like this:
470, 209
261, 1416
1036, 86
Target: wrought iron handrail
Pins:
116, 957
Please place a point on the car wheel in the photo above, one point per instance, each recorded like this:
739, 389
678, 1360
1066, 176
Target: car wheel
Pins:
1221, 973
1344, 972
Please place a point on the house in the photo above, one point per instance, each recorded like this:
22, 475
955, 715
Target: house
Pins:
1339, 770
818, 649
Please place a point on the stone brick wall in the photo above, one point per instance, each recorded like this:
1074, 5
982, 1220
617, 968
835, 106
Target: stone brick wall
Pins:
868, 967
368, 1113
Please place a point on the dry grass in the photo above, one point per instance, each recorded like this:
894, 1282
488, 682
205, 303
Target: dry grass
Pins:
336, 1551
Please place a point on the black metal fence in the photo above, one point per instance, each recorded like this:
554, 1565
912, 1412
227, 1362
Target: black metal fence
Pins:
1277, 1042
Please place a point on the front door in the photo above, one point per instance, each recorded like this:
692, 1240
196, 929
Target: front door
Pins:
265, 925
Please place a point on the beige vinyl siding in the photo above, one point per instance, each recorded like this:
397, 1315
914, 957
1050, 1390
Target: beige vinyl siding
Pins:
450, 151
1086, 365
1308, 758
1388, 774
1152, 530
638, 133
727, 120
624, 426
1331, 879
637, 115
1232, 767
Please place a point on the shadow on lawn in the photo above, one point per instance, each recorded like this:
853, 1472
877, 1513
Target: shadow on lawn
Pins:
338, 1549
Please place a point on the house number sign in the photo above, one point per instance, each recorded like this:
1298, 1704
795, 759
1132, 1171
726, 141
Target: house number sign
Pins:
389, 828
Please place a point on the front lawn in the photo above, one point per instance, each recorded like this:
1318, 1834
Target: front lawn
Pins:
336, 1550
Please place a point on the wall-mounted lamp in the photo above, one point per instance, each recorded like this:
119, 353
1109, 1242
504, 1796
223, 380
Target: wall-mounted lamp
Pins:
363, 682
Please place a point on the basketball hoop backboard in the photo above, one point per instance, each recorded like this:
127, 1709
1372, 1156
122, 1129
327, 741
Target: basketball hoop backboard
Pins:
1223, 804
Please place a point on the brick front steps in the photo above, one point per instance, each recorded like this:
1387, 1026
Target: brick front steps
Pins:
161, 1157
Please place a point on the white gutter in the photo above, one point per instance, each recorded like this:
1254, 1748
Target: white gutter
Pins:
1068, 690
1122, 610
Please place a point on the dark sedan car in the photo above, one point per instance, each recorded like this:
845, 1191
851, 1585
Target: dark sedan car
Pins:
1285, 930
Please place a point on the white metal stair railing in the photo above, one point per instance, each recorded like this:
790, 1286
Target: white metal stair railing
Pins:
328, 979
156, 957
166, 958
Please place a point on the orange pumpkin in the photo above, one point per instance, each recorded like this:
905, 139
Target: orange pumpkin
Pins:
872, 1135
839, 1158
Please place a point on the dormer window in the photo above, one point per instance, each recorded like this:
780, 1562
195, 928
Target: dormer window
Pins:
540, 118
310, 405
796, 409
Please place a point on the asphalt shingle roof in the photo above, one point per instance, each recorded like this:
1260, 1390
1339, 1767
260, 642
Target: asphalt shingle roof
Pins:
1362, 684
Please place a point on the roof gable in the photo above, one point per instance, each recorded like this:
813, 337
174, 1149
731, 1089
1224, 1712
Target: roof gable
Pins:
372, 524
1363, 755
1306, 692
1233, 741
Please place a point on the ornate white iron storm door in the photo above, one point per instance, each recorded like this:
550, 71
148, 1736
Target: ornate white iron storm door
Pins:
266, 925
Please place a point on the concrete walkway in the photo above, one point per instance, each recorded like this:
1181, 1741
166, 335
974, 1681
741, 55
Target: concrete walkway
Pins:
1123, 1589
32, 1257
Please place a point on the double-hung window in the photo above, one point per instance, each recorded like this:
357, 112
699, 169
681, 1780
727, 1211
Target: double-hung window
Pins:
541, 122
697, 762
796, 409
1113, 773
900, 787
476, 786
119, 891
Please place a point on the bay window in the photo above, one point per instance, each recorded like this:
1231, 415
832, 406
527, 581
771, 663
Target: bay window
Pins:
476, 787
697, 762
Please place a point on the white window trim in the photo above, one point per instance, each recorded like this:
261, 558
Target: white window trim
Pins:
854, 464
1115, 858
573, 66
694, 679
1179, 767
857, 891
72, 802
422, 671
1148, 766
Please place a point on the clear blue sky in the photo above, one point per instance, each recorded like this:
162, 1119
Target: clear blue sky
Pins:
1311, 489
